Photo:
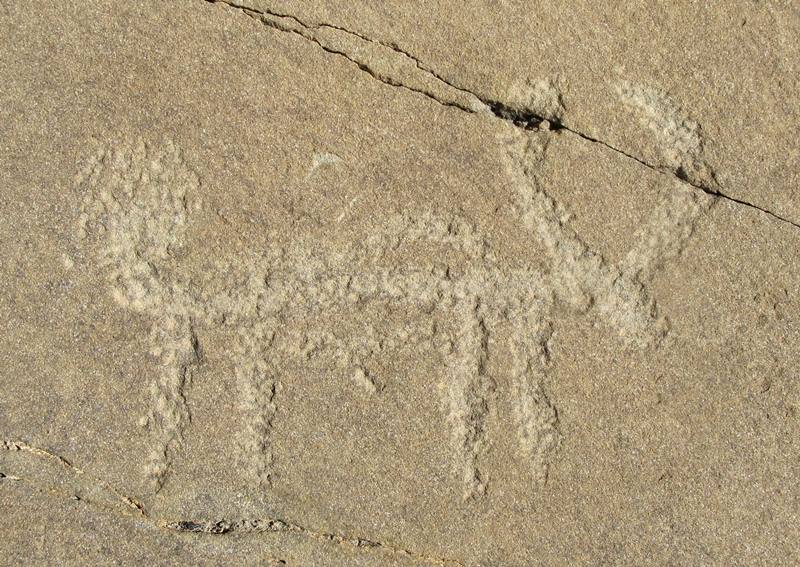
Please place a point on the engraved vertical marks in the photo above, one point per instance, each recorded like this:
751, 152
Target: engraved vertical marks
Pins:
135, 203
178, 351
536, 417
257, 382
467, 391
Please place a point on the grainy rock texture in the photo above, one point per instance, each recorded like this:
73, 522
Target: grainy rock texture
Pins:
461, 284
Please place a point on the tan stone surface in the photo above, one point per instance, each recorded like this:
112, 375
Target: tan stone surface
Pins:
393, 285
733, 64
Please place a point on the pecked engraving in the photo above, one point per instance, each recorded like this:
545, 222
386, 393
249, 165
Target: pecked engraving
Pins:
137, 204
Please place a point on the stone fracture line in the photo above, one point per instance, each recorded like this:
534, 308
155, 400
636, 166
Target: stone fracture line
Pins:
395, 67
75, 483
60, 472
272, 525
372, 59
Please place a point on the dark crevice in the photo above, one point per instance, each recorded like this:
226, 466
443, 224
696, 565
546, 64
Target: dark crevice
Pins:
259, 526
242, 527
524, 119
262, 16
751, 205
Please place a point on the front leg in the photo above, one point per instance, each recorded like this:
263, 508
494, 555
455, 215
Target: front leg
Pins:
536, 417
468, 391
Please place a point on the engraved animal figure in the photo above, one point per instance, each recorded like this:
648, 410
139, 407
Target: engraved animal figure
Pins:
136, 206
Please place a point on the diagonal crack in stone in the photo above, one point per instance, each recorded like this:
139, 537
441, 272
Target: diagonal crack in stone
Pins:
498, 109
65, 471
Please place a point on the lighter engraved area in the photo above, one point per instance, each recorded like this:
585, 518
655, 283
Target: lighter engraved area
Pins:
139, 198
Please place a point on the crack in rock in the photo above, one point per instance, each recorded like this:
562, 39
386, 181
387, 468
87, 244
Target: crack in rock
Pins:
465, 100
92, 491
272, 525
85, 487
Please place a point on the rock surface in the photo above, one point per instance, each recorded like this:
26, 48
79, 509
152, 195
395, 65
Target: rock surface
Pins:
293, 283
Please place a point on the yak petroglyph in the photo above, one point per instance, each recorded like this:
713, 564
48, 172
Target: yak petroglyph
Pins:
139, 198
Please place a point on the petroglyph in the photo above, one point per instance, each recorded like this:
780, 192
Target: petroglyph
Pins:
540, 97
468, 389
135, 196
677, 136
135, 210
537, 418
257, 382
